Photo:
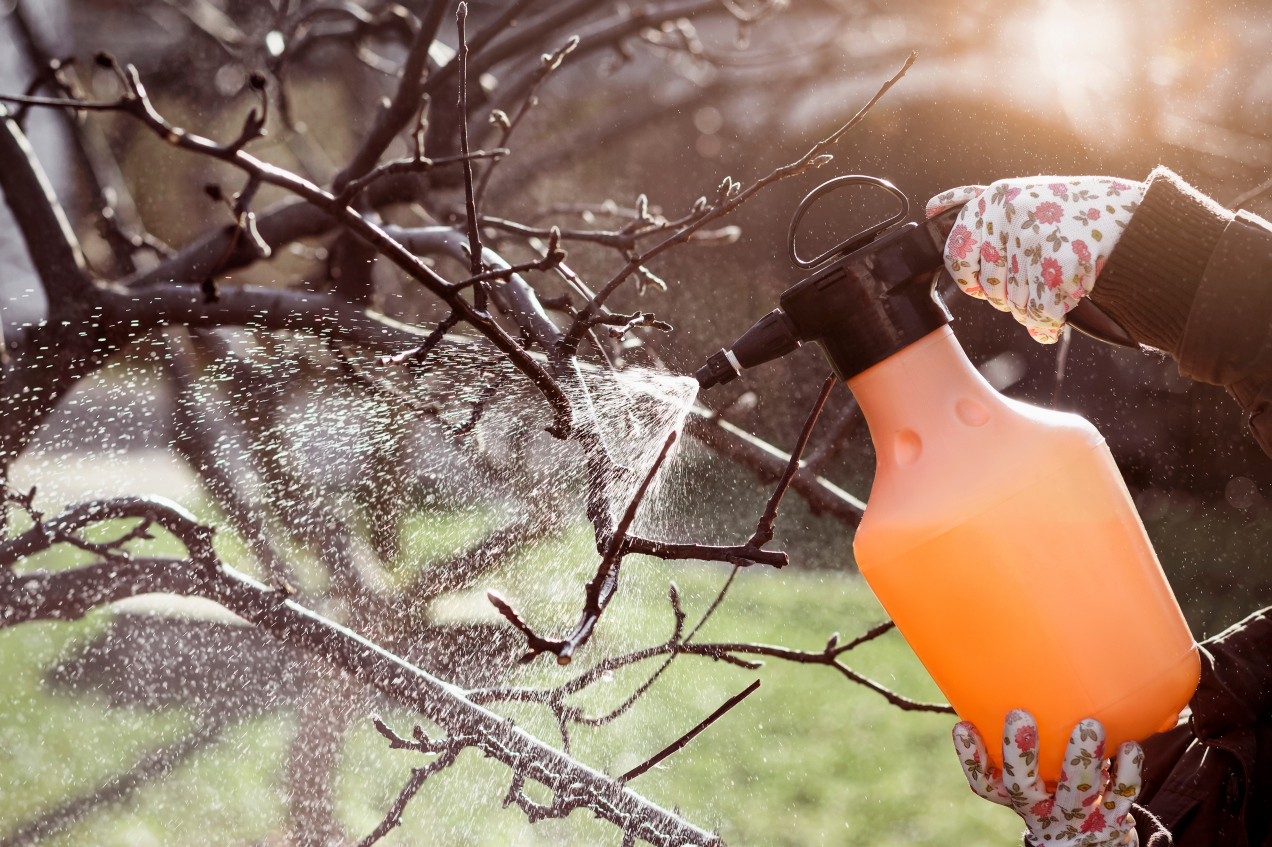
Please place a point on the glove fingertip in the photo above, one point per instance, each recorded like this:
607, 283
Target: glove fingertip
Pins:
1129, 762
954, 197
1044, 336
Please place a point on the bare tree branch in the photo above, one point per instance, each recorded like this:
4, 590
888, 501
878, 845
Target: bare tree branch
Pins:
683, 741
838, 429
508, 125
764, 529
730, 196
97, 319
415, 165
743, 555
676, 645
418, 775
476, 264
136, 103
67, 595
406, 102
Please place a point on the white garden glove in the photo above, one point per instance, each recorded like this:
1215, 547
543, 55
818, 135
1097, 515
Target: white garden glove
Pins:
1088, 807
1034, 246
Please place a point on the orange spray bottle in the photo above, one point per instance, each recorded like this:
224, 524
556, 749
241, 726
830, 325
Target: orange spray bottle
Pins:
999, 536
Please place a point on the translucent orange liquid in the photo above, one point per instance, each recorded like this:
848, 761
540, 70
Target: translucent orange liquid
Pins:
1058, 616
1010, 555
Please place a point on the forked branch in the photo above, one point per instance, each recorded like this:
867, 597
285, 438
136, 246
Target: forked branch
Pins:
69, 594
729, 196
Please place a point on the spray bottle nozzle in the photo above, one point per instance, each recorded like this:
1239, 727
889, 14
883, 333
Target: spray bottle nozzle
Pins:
717, 371
772, 337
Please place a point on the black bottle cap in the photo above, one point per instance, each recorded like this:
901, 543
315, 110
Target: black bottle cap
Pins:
860, 309
876, 301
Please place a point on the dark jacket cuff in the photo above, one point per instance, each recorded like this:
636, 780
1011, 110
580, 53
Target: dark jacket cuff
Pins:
1149, 281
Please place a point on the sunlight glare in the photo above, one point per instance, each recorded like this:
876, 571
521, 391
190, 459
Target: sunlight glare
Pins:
1083, 57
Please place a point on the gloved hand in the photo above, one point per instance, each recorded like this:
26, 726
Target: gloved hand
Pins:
1034, 246
1088, 808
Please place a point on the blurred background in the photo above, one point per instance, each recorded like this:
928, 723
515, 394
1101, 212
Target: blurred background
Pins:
1112, 87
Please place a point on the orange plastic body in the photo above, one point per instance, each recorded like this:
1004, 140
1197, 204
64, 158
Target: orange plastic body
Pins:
1002, 540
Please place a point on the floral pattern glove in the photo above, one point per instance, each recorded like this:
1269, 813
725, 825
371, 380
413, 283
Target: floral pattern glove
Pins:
1089, 807
1034, 246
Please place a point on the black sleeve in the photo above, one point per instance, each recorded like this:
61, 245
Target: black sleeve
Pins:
1228, 338
1236, 678
1195, 280
1152, 276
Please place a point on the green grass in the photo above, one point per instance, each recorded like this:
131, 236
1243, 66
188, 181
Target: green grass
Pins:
808, 759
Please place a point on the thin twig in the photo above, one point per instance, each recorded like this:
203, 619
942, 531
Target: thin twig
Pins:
136, 103
554, 258
554, 698
418, 775
418, 164
764, 529
417, 355
730, 196
603, 585
549, 64
715, 604
840, 426
869, 635
600, 589
681, 742
828, 657
535, 643
743, 555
